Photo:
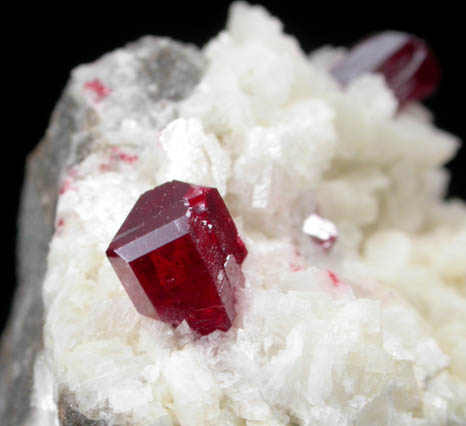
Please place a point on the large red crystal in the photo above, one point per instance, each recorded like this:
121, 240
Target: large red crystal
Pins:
406, 62
178, 255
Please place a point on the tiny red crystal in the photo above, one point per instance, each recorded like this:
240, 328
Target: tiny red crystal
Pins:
333, 277
178, 255
408, 65
98, 88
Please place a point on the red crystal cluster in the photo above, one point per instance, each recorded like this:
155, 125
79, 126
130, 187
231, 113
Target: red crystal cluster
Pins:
178, 255
408, 65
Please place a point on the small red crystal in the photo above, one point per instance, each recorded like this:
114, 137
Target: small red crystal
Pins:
178, 255
98, 88
408, 65
333, 277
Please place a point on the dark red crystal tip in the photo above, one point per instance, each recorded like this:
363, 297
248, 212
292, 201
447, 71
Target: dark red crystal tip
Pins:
407, 63
178, 255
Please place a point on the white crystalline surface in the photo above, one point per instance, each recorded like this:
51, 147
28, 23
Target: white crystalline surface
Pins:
371, 333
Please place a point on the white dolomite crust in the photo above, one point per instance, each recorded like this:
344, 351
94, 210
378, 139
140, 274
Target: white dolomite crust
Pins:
372, 333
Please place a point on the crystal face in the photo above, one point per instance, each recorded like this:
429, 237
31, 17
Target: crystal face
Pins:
408, 65
178, 255
322, 231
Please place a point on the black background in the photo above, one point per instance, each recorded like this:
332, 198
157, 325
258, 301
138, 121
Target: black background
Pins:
41, 47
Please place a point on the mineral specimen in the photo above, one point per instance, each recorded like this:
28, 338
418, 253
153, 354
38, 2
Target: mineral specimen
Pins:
178, 255
369, 333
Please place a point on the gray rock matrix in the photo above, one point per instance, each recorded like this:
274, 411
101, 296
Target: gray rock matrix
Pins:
174, 69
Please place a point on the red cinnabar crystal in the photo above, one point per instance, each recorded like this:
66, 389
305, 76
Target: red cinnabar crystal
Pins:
406, 62
178, 255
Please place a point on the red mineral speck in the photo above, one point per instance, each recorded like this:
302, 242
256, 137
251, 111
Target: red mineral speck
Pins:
322, 231
105, 167
60, 223
125, 157
178, 256
116, 156
98, 88
408, 65
66, 186
335, 281
128, 158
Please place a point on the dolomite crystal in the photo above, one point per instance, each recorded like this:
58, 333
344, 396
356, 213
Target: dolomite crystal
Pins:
368, 333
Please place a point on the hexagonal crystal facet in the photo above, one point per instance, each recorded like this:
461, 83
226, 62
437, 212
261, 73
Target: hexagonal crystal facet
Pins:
178, 255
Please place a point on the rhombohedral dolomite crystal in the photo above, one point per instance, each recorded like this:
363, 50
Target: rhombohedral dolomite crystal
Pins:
369, 331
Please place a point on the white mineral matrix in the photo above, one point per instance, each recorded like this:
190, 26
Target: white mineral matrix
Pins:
371, 332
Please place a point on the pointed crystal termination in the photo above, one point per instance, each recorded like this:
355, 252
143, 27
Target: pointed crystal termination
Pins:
322, 231
178, 255
408, 65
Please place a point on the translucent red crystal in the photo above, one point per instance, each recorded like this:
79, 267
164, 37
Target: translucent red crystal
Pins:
406, 62
178, 255
100, 90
